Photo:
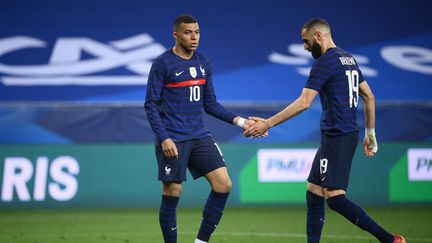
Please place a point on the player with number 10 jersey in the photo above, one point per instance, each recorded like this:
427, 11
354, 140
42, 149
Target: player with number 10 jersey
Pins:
182, 88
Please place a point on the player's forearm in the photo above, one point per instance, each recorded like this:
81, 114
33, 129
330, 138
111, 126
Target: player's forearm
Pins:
369, 110
217, 110
155, 120
295, 108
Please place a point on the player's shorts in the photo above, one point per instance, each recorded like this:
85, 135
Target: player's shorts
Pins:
200, 156
332, 163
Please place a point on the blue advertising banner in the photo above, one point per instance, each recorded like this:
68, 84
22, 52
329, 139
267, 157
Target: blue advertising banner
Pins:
102, 50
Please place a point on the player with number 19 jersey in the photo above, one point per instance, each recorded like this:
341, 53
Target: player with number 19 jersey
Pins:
177, 92
336, 76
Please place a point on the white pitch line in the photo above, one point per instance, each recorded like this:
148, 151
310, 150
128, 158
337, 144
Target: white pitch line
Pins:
240, 234
297, 235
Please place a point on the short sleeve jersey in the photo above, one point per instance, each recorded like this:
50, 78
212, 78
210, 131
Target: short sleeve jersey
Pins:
178, 91
336, 76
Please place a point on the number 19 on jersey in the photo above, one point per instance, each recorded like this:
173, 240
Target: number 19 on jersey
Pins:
353, 82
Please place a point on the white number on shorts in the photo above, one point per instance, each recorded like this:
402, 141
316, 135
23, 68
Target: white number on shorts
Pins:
323, 166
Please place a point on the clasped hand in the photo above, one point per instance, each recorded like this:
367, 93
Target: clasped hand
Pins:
256, 127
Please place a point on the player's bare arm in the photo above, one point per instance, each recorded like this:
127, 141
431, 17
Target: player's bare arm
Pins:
301, 104
370, 145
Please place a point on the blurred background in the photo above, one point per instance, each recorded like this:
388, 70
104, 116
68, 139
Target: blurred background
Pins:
73, 74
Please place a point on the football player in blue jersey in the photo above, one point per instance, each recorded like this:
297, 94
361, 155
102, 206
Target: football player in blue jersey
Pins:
336, 77
179, 89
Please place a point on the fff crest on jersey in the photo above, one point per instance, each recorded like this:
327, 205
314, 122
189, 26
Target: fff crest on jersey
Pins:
202, 71
193, 72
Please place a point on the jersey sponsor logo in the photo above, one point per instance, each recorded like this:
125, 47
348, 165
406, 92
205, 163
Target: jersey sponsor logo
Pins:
178, 73
193, 72
186, 83
406, 57
67, 66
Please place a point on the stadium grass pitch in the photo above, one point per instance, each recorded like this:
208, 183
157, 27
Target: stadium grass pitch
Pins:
251, 225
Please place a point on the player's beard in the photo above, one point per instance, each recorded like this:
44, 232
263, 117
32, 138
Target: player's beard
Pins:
316, 50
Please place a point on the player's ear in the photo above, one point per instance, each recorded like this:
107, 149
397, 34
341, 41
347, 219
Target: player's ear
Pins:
318, 35
175, 34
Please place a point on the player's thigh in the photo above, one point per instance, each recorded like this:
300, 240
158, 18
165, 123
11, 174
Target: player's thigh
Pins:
205, 157
336, 159
173, 169
314, 174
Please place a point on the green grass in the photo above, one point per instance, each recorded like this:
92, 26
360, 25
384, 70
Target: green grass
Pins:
251, 225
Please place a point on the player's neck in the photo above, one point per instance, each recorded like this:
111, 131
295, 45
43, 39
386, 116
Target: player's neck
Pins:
181, 52
328, 46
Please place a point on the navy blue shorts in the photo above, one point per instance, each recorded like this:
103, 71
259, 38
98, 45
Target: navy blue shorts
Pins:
332, 163
200, 156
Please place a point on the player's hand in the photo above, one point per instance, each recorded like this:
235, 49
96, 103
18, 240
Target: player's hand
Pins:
370, 144
169, 148
259, 129
249, 123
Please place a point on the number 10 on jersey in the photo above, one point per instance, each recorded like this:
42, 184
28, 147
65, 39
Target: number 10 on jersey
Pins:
353, 81
195, 93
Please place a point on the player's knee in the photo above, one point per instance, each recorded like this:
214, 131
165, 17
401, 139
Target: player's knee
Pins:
228, 186
223, 187
328, 193
335, 202
172, 189
315, 189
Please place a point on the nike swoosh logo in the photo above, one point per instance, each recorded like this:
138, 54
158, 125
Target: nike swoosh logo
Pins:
323, 179
178, 74
173, 228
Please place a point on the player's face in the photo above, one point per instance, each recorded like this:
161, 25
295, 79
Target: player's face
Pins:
187, 36
310, 43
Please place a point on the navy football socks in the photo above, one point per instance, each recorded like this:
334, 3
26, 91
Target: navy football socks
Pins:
315, 217
168, 219
358, 216
212, 214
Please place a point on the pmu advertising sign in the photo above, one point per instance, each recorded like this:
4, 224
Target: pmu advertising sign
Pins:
284, 165
420, 164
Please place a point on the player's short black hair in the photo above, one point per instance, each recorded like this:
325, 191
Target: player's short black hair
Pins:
184, 18
314, 22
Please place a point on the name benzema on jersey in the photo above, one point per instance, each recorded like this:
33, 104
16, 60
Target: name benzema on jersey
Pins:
66, 66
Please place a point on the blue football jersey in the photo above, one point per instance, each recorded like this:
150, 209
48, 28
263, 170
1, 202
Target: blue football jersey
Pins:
178, 91
336, 76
